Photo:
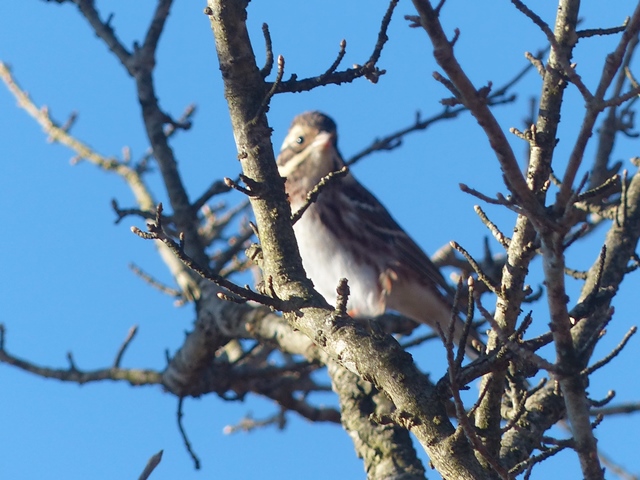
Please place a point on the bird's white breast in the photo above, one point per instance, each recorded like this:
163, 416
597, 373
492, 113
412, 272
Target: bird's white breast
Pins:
326, 261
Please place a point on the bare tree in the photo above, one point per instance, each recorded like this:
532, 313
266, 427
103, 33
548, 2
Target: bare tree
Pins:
269, 340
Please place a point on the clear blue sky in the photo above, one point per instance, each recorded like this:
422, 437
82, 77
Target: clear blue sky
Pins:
66, 286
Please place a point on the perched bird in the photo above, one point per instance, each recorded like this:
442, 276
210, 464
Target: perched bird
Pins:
347, 233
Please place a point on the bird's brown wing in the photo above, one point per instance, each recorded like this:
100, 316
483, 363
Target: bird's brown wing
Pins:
382, 227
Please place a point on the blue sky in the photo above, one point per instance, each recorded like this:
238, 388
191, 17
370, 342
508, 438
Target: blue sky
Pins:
66, 284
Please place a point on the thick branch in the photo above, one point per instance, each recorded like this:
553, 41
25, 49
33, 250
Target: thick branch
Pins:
379, 360
366, 414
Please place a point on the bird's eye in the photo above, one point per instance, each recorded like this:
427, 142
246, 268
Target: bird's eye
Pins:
300, 140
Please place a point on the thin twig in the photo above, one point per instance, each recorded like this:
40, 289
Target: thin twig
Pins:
154, 283
591, 32
614, 353
461, 414
313, 195
73, 374
369, 70
127, 341
476, 267
513, 345
155, 232
601, 403
264, 106
248, 423
183, 434
622, 409
268, 61
338, 60
152, 463
493, 228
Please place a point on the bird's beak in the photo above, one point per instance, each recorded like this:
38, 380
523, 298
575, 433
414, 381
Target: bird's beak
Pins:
322, 141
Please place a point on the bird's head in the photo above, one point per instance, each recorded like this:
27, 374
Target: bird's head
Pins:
309, 151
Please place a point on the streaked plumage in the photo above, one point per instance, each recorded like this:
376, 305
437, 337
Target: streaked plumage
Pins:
348, 233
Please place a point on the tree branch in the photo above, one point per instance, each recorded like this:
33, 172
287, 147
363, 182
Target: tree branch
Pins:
377, 359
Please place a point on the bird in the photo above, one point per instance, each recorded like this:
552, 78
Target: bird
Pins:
347, 233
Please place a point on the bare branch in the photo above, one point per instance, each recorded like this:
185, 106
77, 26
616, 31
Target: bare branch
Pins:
313, 195
481, 276
105, 31
625, 408
268, 62
614, 353
153, 462
136, 377
497, 234
130, 336
157, 233
614, 61
591, 32
185, 438
369, 70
